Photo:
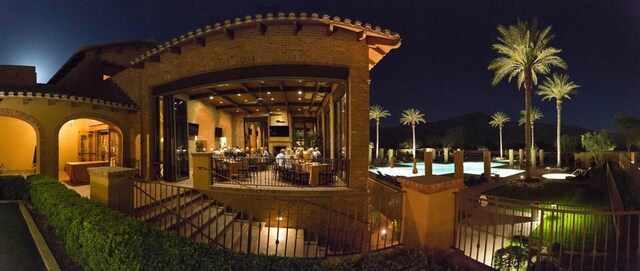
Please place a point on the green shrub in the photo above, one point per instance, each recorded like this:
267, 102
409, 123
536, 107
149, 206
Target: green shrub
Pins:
12, 187
98, 238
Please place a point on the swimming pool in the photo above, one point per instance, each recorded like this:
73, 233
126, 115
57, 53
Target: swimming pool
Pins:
474, 168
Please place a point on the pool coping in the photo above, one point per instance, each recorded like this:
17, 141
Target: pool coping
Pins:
49, 261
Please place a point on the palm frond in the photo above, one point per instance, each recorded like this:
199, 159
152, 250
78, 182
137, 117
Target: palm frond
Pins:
412, 117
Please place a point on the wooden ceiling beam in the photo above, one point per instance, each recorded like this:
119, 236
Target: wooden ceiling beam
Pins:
237, 105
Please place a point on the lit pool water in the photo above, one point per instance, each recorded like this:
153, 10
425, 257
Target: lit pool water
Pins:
474, 168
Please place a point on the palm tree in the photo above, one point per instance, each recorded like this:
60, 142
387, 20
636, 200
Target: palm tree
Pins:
376, 112
524, 52
557, 87
535, 115
412, 117
498, 119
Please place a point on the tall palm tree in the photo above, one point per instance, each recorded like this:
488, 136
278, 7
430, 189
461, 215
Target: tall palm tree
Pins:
535, 115
376, 112
524, 52
557, 87
412, 117
498, 119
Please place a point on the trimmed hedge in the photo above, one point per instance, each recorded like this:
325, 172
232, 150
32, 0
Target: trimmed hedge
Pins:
99, 238
12, 187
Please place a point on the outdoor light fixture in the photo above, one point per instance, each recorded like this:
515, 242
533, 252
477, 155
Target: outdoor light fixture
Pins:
237, 111
272, 99
298, 109
210, 97
279, 218
220, 102
245, 100
239, 94
269, 92
257, 109
299, 99
521, 177
278, 109
383, 232
299, 91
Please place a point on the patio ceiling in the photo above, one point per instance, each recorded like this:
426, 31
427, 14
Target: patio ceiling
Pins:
266, 95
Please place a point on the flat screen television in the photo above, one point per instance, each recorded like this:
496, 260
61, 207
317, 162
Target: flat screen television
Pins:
279, 131
218, 132
193, 129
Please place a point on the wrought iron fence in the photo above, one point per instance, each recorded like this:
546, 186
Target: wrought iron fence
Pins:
269, 171
302, 225
495, 230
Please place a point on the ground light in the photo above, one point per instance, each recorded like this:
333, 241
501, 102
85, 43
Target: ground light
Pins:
557, 176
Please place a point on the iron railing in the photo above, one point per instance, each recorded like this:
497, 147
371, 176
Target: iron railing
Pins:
269, 171
258, 222
565, 237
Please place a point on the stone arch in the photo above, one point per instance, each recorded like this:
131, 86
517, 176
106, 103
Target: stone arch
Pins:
111, 122
40, 136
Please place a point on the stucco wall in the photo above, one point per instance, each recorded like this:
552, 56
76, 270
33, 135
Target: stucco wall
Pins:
17, 143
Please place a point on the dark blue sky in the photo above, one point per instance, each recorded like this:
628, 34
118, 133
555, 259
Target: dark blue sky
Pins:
440, 67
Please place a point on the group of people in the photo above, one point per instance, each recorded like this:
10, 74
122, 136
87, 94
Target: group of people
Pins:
300, 154
239, 152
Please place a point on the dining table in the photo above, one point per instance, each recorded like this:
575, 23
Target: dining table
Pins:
78, 172
314, 169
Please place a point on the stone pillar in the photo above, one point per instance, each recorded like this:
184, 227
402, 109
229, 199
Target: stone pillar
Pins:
446, 155
533, 159
541, 160
202, 170
391, 160
458, 167
370, 155
486, 157
428, 163
429, 212
510, 158
113, 187
521, 157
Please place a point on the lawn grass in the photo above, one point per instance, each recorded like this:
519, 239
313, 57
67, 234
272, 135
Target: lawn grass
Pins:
561, 193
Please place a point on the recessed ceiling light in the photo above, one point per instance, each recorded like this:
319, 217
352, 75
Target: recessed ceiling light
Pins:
298, 109
261, 82
272, 99
220, 102
270, 112
299, 81
257, 109
269, 92
299, 91
245, 100
299, 99
239, 94
210, 97
278, 109
237, 111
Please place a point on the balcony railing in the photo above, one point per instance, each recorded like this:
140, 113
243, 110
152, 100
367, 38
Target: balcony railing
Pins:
255, 222
283, 172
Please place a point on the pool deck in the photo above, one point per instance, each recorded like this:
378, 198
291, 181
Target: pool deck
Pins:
472, 168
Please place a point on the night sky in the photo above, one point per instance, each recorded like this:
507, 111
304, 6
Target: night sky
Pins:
441, 67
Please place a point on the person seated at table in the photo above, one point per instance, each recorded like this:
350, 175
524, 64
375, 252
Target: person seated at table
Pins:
316, 154
265, 152
308, 154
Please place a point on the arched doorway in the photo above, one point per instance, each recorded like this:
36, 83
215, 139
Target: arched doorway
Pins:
18, 147
84, 143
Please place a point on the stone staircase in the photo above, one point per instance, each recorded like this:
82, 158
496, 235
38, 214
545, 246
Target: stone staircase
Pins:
194, 215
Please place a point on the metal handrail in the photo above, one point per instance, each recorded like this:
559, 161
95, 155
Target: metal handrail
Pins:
158, 203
